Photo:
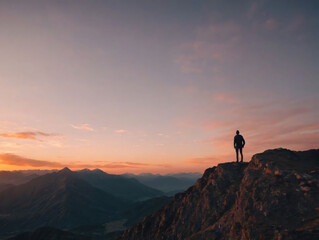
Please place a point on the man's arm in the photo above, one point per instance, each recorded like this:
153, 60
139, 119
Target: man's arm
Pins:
244, 142
235, 142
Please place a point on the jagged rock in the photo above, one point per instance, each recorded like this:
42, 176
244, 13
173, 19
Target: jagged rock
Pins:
275, 196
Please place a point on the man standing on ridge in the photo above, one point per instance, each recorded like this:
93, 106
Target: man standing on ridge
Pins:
239, 143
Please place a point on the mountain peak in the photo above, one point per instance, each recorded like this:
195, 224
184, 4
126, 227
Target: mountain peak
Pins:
254, 200
99, 171
65, 170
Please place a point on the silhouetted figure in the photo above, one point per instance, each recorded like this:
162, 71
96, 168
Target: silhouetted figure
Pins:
239, 143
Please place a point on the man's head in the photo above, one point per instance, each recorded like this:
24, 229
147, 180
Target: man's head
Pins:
237, 132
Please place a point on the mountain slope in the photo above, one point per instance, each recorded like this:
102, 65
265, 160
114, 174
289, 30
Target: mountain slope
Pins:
15, 177
170, 184
123, 220
4, 186
275, 196
121, 187
58, 199
166, 184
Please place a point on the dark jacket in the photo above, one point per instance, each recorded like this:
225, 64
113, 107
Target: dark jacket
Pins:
239, 141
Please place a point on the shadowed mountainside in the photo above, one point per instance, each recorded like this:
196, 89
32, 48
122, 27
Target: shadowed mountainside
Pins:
123, 220
59, 199
4, 186
127, 188
106, 231
119, 186
275, 196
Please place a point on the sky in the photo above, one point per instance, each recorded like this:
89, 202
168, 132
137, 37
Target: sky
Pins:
155, 86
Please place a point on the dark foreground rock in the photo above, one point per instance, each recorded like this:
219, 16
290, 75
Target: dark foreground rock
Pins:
275, 196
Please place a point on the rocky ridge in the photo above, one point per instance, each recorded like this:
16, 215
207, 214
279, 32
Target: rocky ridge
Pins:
274, 196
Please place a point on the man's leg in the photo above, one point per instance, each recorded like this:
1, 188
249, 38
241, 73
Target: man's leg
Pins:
241, 154
236, 154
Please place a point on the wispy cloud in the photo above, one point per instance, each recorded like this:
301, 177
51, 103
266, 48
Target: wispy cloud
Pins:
28, 135
10, 145
267, 126
109, 165
120, 131
16, 160
214, 44
8, 124
265, 122
84, 126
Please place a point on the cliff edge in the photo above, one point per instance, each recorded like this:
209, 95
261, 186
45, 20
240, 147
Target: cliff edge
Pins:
274, 196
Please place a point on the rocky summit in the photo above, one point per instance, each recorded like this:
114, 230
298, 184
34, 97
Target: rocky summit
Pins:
274, 196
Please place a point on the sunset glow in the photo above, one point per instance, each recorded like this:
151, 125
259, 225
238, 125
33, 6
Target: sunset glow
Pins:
129, 86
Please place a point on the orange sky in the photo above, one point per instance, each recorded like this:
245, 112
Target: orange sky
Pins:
154, 87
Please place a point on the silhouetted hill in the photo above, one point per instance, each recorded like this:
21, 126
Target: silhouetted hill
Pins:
275, 196
58, 199
119, 186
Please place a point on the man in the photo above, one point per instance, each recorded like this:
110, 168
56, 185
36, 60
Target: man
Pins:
239, 143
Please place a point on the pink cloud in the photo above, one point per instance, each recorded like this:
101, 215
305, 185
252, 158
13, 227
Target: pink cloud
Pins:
120, 131
84, 126
27, 135
265, 124
10, 145
16, 160
12, 159
270, 131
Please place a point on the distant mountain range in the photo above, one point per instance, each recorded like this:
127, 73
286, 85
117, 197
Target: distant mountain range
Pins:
119, 186
59, 199
170, 184
67, 199
123, 186
16, 177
